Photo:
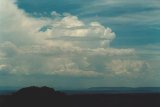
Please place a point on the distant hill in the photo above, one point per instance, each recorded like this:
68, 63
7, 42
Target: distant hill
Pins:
8, 90
127, 89
110, 88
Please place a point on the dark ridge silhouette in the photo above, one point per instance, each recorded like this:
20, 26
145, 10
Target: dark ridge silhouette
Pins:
48, 97
35, 97
35, 91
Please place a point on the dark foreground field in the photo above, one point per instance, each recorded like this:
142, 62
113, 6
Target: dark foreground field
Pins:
48, 97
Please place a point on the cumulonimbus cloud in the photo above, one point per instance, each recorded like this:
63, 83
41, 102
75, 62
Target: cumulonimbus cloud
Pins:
63, 45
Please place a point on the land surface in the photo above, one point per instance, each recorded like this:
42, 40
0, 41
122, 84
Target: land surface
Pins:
48, 97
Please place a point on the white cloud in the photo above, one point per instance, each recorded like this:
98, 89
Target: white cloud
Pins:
70, 26
112, 52
16, 26
55, 14
64, 66
2, 67
64, 46
128, 67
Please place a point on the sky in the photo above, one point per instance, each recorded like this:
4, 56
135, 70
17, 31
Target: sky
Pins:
72, 44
